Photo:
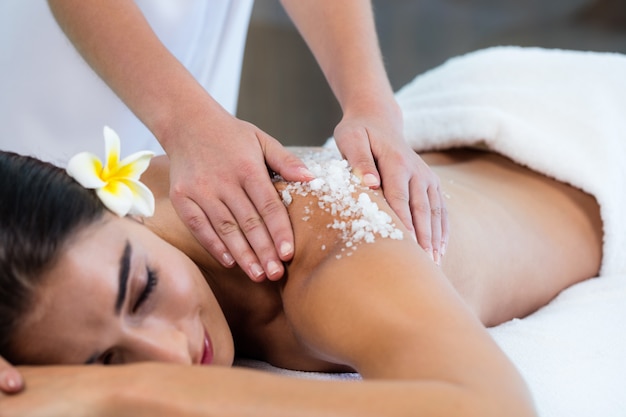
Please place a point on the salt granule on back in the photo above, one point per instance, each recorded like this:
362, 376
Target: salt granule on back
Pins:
358, 219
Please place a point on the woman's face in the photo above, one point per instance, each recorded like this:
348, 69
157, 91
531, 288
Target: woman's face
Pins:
121, 294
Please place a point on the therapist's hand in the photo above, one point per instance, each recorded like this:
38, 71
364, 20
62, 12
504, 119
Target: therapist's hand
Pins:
221, 189
371, 139
11, 380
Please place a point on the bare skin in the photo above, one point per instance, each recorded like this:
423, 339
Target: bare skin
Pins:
520, 259
387, 311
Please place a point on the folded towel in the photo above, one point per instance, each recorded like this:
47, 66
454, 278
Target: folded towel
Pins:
560, 113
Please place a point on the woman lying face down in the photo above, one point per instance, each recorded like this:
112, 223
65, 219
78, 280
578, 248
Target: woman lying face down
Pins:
89, 287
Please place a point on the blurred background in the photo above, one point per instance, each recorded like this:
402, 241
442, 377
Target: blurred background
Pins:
284, 93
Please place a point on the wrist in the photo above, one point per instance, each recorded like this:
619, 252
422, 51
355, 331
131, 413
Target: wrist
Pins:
377, 105
181, 116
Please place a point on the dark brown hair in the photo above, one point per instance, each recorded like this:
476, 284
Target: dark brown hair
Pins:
41, 208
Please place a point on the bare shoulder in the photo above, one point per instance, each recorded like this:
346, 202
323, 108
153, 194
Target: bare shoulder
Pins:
365, 295
333, 215
157, 176
356, 268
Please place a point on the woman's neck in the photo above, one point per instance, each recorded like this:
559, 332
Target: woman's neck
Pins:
250, 308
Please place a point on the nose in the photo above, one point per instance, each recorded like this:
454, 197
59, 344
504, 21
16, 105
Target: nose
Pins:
159, 345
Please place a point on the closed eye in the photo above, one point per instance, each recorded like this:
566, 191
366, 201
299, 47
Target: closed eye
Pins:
151, 283
107, 358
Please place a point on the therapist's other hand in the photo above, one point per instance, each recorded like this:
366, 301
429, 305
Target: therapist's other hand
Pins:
11, 380
221, 189
371, 139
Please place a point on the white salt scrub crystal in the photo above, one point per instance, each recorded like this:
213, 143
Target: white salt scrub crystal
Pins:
286, 197
357, 219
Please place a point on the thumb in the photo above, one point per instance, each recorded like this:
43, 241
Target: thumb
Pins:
357, 151
284, 163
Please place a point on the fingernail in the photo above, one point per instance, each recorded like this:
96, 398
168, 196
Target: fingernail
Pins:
370, 180
436, 257
286, 249
443, 248
273, 268
10, 381
430, 254
256, 271
304, 171
228, 259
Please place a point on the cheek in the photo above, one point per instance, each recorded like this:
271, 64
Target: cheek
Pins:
183, 286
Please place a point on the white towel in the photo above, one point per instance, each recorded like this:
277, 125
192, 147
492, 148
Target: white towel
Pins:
561, 113
572, 353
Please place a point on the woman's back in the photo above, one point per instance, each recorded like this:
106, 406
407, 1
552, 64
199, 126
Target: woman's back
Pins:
514, 232
517, 239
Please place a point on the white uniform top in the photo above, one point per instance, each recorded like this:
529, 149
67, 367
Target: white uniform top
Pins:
52, 105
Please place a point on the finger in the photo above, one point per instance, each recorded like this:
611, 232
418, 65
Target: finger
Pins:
283, 162
275, 217
396, 192
233, 220
445, 226
435, 222
200, 226
253, 217
11, 380
421, 214
355, 147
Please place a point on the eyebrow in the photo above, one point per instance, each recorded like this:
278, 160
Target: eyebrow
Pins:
123, 278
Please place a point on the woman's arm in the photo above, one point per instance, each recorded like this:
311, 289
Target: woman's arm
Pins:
157, 389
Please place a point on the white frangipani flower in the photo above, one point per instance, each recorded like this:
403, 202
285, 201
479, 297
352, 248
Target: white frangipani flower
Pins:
116, 182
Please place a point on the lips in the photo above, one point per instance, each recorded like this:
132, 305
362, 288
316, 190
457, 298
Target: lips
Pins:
207, 351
